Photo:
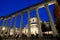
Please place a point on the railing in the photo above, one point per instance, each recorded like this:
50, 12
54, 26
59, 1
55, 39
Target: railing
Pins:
36, 7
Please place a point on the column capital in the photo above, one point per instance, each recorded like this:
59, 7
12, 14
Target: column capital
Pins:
13, 15
5, 19
46, 4
9, 17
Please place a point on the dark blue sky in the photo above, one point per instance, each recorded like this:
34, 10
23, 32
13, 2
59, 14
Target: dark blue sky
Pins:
10, 6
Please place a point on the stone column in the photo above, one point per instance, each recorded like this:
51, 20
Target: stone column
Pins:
15, 16
10, 18
21, 20
39, 23
6, 26
3, 26
51, 21
0, 27
2, 22
6, 22
29, 31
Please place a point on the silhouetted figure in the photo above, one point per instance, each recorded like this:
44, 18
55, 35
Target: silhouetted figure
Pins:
43, 27
24, 36
17, 36
6, 32
37, 35
0, 38
32, 36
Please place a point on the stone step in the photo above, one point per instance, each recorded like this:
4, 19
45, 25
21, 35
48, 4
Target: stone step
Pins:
43, 38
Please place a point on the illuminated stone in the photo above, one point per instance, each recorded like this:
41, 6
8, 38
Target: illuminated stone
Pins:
3, 28
11, 31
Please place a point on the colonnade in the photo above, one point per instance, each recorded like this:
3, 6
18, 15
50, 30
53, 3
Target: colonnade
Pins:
55, 33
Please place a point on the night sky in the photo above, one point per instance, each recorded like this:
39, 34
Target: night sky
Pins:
10, 6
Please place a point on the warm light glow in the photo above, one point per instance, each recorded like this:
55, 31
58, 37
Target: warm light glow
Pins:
33, 29
17, 31
3, 28
25, 31
48, 32
11, 31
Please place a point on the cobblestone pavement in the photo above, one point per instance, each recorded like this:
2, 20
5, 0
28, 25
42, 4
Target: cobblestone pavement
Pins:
26, 38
